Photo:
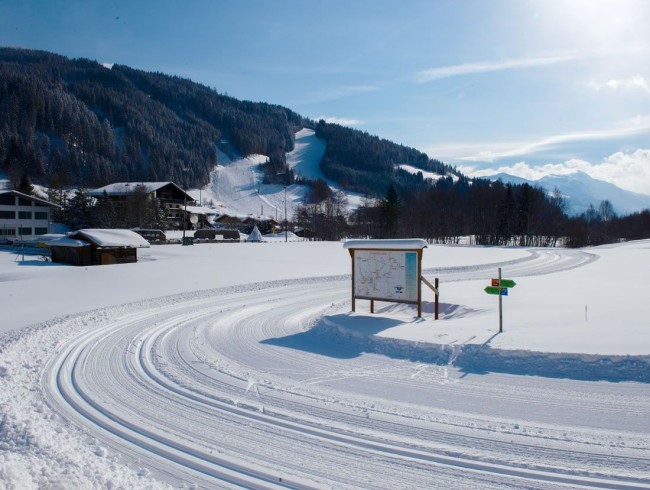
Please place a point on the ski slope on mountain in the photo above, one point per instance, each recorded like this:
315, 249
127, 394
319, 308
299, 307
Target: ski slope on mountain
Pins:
236, 186
241, 365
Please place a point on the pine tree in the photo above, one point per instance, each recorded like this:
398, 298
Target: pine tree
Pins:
390, 210
78, 210
25, 186
104, 214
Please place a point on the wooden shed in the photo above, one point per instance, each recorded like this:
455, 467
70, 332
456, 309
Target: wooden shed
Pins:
97, 247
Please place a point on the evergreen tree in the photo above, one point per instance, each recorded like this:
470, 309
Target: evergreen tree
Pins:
25, 186
156, 216
78, 211
104, 214
390, 211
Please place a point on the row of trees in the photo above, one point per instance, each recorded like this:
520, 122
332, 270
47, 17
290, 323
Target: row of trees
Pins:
489, 213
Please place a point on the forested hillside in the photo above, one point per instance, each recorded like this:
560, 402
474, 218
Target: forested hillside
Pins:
367, 164
76, 122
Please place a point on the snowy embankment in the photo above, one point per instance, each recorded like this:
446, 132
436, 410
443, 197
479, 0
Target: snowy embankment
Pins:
241, 364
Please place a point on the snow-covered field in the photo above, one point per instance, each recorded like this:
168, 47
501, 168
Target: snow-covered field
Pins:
241, 365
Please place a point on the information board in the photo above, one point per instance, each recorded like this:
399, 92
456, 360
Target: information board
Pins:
386, 275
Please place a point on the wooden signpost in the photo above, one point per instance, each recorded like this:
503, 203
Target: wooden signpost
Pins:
500, 286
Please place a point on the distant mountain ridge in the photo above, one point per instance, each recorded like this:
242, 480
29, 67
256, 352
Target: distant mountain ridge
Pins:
581, 190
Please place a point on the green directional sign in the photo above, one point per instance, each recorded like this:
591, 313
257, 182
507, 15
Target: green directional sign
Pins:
496, 290
503, 283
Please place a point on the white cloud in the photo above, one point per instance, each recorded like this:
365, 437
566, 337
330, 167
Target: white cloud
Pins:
627, 170
491, 152
486, 66
108, 65
343, 121
635, 82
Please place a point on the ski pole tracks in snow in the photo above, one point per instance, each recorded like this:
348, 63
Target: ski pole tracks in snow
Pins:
233, 387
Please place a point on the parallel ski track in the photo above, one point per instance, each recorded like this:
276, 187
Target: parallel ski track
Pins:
191, 389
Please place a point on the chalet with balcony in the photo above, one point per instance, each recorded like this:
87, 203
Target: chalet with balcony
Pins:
128, 196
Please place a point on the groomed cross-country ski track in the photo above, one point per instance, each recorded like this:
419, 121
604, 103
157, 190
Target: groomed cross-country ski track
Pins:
254, 386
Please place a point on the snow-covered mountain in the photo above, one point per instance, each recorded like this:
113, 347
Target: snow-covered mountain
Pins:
580, 190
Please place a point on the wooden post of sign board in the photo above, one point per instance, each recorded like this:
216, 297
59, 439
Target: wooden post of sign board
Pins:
372, 306
500, 306
352, 256
419, 285
436, 293
435, 284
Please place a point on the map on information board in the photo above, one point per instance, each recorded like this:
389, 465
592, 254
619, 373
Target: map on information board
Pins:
386, 275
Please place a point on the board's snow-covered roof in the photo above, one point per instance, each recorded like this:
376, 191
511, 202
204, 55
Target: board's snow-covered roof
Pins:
400, 244
113, 238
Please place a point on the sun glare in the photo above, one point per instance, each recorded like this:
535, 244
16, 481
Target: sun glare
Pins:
601, 26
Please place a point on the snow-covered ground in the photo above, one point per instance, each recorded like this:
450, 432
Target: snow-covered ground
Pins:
226, 365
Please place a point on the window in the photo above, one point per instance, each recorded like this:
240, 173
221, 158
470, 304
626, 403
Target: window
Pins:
7, 199
24, 202
24, 215
40, 215
40, 231
7, 215
7, 232
24, 231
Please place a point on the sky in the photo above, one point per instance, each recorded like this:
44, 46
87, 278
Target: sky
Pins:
528, 87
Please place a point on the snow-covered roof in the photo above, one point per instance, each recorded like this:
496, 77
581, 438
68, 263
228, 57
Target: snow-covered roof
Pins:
64, 241
112, 238
402, 244
31, 198
202, 210
48, 237
128, 188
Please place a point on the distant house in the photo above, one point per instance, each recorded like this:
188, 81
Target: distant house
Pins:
151, 235
245, 223
304, 232
171, 197
203, 215
24, 217
213, 234
97, 247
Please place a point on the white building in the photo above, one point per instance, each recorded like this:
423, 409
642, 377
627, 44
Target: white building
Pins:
23, 217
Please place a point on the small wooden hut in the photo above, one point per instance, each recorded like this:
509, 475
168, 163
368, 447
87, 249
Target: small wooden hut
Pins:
97, 247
